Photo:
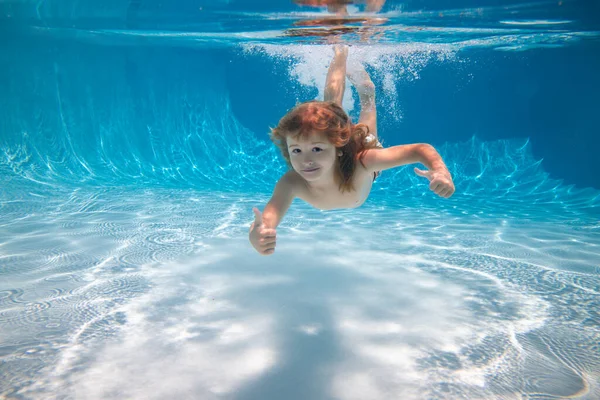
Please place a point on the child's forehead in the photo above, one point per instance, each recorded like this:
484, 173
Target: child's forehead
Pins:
310, 137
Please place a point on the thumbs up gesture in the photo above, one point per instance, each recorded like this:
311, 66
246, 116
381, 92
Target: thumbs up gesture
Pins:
440, 181
262, 238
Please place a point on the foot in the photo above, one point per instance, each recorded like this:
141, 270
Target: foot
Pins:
340, 50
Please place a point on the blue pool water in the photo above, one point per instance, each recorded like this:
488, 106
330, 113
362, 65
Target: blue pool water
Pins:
133, 146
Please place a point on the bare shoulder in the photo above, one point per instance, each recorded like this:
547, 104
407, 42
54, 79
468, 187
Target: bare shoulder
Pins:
284, 193
368, 159
294, 184
291, 179
290, 183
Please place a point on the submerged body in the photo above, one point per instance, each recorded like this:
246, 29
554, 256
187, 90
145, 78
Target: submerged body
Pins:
326, 196
333, 162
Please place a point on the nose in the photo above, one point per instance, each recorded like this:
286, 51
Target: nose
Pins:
307, 160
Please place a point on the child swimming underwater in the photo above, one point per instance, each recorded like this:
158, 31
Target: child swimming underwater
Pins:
334, 162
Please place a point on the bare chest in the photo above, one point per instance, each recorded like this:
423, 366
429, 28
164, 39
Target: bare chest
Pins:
333, 198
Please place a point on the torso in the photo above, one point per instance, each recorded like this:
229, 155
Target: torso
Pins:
332, 198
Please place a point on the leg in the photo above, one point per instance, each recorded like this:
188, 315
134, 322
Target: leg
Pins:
360, 79
336, 75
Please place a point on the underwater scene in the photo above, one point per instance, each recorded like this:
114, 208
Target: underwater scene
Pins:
136, 140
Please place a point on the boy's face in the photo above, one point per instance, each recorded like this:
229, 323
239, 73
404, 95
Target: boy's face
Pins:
312, 158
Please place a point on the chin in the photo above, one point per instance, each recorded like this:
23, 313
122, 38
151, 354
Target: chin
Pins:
311, 178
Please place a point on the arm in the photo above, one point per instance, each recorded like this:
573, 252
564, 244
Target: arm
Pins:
263, 235
396, 156
439, 176
280, 202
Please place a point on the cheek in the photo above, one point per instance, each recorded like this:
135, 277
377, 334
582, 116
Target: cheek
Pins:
328, 156
294, 160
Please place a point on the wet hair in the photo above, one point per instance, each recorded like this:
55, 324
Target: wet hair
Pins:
331, 120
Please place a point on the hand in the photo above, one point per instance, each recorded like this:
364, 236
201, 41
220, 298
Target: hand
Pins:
440, 181
262, 238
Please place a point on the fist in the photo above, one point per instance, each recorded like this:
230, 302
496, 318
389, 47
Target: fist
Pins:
263, 239
440, 181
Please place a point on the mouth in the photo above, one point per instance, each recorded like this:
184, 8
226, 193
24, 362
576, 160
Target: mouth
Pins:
310, 169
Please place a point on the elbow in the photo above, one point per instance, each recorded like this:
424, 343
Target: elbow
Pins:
421, 151
424, 148
424, 153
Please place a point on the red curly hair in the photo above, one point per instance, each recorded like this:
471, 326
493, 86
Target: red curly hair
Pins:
331, 120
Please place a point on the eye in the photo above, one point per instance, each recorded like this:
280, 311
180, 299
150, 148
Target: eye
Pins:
317, 149
295, 151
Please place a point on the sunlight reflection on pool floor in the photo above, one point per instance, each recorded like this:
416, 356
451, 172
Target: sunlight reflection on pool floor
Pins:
152, 294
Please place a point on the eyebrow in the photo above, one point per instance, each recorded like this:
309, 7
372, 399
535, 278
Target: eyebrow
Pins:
295, 145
